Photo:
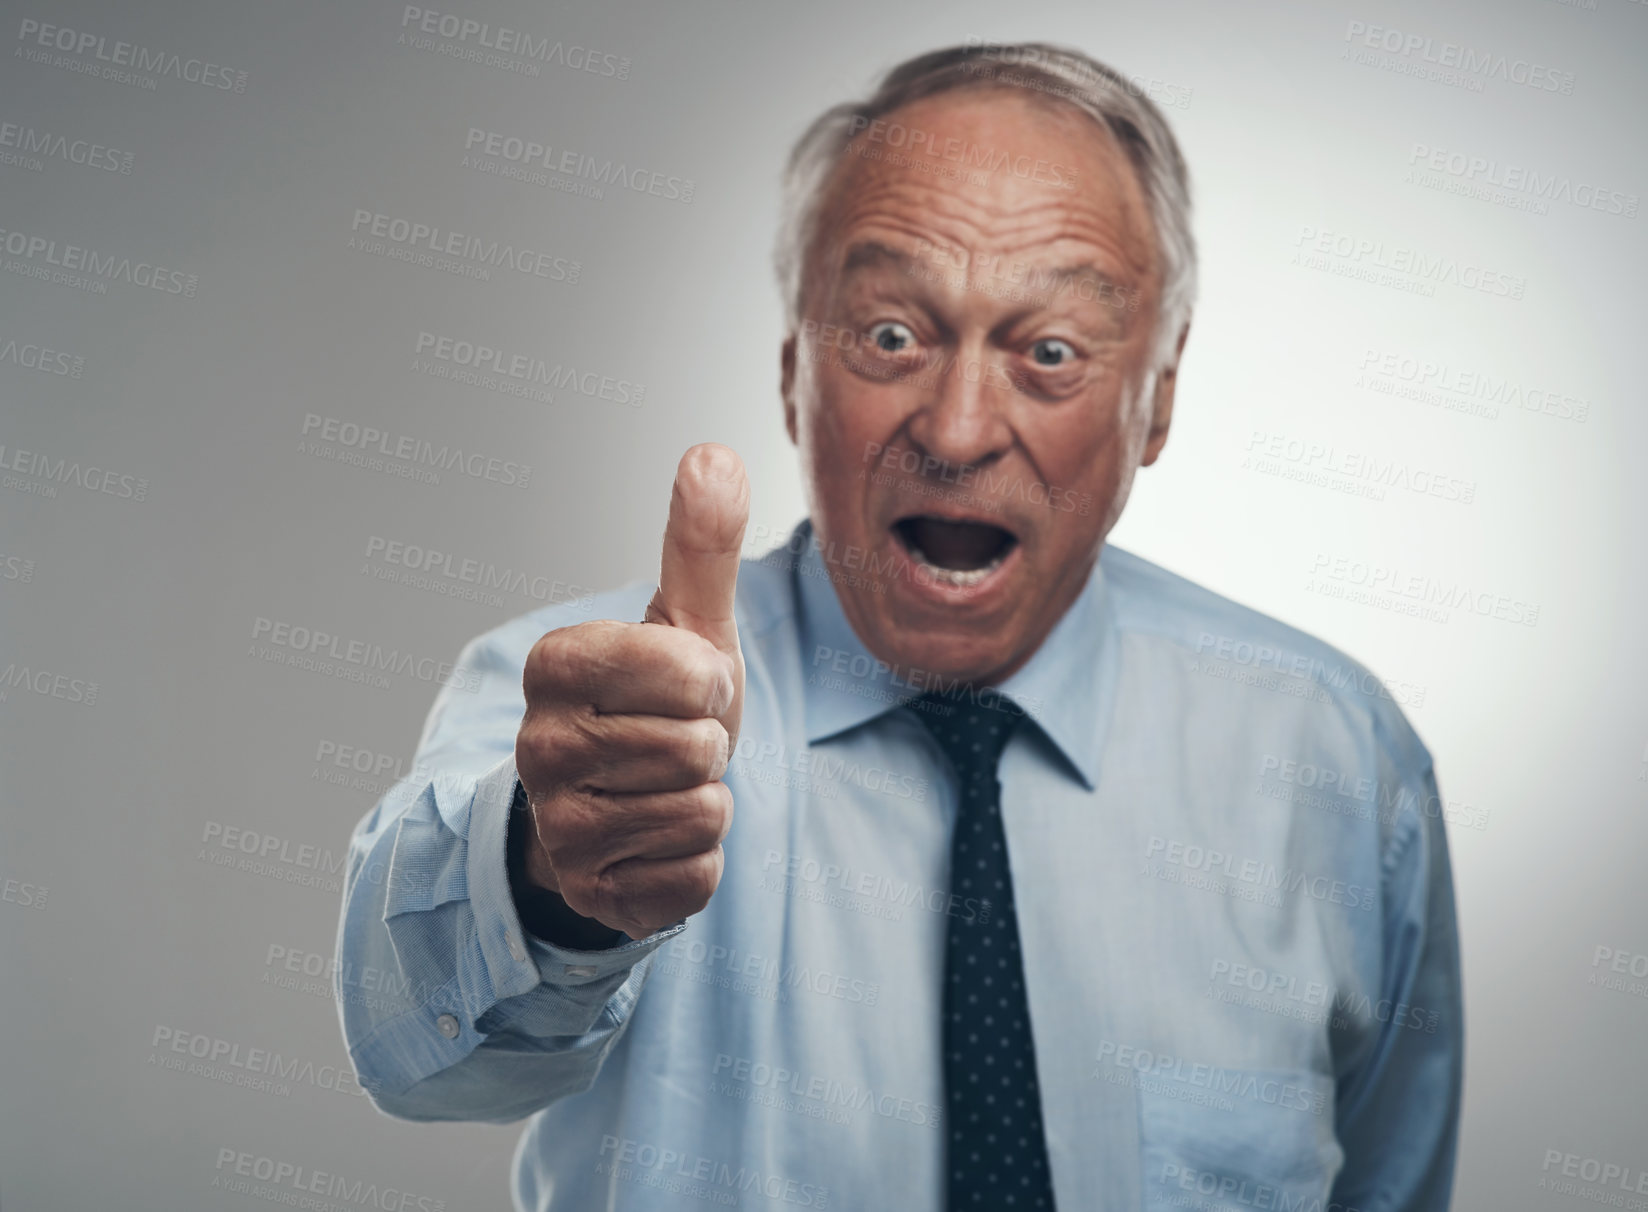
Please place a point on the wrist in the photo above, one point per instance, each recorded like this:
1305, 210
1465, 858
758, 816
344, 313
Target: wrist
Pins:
543, 912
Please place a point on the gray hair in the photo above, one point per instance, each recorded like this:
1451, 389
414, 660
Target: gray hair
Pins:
1057, 73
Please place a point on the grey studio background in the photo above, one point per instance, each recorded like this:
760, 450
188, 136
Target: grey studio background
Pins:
1369, 298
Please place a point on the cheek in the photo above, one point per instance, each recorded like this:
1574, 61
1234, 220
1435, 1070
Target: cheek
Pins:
1083, 445
836, 444
847, 422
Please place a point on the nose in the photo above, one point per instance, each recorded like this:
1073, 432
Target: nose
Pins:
963, 421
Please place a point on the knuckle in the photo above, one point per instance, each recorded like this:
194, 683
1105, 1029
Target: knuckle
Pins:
548, 749
707, 688
713, 749
609, 897
693, 748
700, 669
575, 826
580, 892
548, 662
532, 758
566, 659
713, 804
700, 876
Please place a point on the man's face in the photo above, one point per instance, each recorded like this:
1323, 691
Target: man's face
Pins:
973, 384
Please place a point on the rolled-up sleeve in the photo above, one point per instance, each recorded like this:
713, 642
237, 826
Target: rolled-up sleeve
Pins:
450, 1010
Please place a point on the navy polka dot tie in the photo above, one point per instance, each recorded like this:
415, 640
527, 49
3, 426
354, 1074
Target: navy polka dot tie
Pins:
997, 1150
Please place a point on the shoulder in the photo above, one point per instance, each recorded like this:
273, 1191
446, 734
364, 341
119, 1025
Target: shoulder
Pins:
1228, 643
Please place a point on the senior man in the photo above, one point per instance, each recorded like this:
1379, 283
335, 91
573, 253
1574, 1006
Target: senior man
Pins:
1054, 880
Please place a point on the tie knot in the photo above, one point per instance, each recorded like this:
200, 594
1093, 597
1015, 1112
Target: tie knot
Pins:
971, 729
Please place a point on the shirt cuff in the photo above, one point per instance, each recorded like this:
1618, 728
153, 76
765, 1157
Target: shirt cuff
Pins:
517, 960
564, 966
498, 927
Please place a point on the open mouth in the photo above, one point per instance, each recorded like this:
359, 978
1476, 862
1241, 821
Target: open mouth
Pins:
954, 551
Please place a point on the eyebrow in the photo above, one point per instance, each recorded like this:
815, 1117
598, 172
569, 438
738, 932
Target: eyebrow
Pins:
871, 254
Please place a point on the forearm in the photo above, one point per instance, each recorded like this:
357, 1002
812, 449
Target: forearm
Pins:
481, 1022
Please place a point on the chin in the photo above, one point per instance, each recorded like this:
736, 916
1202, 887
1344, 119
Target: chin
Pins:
953, 653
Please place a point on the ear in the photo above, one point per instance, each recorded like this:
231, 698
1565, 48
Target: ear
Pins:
1161, 408
786, 384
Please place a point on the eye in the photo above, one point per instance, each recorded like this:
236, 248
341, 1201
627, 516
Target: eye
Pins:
892, 337
1050, 351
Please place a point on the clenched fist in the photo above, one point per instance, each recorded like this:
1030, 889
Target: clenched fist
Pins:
629, 726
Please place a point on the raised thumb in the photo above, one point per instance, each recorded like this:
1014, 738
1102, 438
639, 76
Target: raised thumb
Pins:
703, 541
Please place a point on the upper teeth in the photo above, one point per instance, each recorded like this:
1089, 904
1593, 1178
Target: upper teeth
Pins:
955, 576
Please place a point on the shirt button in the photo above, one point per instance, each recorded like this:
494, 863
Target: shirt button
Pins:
515, 949
448, 1026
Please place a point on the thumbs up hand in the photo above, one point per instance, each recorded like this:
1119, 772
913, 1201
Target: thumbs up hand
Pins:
630, 726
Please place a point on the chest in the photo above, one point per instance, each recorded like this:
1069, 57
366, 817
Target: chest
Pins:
1186, 945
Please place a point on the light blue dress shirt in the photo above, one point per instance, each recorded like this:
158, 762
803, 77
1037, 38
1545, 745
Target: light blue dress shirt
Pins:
1233, 891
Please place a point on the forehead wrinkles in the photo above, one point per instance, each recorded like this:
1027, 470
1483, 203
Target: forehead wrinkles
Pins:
1017, 223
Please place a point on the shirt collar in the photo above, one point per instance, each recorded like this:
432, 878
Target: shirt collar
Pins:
1065, 687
